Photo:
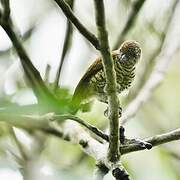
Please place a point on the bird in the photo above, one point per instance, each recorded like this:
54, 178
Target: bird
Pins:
93, 82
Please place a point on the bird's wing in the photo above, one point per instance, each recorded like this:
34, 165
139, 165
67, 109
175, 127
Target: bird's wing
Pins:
81, 91
93, 69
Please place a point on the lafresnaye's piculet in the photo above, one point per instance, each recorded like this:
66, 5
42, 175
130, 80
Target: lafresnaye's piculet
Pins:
93, 82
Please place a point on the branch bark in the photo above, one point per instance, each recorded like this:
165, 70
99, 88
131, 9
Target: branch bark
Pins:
25, 37
113, 154
70, 15
66, 46
6, 11
43, 122
95, 130
155, 141
72, 132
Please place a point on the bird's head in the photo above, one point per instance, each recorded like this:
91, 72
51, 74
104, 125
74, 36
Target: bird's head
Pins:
130, 52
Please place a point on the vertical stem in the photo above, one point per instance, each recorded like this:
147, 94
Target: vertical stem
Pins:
113, 153
67, 42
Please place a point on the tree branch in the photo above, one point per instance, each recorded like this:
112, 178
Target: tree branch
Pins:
155, 141
95, 130
75, 134
20, 147
90, 146
31, 72
71, 132
6, 10
66, 46
43, 122
70, 15
24, 38
113, 154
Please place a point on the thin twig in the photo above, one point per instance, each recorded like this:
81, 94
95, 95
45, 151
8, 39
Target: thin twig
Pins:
90, 127
155, 141
71, 132
24, 38
95, 130
19, 145
31, 72
43, 122
136, 7
6, 10
113, 154
70, 15
66, 46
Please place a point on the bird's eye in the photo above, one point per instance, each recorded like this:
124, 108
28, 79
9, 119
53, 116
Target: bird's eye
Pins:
124, 57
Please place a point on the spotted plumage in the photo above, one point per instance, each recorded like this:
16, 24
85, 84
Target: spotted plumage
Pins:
93, 82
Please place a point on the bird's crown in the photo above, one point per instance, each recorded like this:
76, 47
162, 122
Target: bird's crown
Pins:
130, 49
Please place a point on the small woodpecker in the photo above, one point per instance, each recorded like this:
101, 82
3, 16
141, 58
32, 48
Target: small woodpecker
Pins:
93, 83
